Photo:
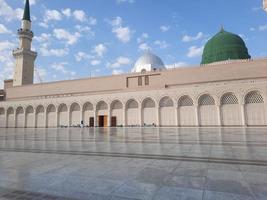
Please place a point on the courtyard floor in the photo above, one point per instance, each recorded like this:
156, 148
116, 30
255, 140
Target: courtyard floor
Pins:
133, 164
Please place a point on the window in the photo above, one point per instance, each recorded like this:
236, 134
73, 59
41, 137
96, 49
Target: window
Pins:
140, 81
146, 80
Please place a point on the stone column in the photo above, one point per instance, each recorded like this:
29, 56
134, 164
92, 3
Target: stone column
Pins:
177, 117
57, 117
109, 116
34, 118
157, 115
218, 107
45, 118
243, 115
124, 115
95, 118
24, 123
69, 112
140, 115
5, 122
197, 115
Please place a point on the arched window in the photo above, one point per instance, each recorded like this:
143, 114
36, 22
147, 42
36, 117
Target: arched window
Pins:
228, 99
132, 104
206, 100
166, 102
185, 101
148, 103
254, 97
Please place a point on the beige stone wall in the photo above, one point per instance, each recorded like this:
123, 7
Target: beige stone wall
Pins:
238, 70
182, 115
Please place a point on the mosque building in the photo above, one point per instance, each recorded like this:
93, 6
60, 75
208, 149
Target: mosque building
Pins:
228, 88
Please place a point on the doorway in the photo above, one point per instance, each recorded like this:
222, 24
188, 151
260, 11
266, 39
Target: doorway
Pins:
103, 121
113, 121
91, 122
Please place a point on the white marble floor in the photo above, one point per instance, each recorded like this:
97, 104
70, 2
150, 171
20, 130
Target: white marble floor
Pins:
134, 163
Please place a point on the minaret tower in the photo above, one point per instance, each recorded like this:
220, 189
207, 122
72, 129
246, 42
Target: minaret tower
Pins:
25, 57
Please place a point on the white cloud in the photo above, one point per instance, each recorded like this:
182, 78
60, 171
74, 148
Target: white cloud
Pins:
120, 61
62, 69
92, 21
123, 33
161, 44
100, 50
79, 15
3, 29
62, 34
39, 74
54, 52
263, 27
188, 38
144, 47
164, 28
117, 21
6, 45
81, 56
8, 13
195, 51
117, 71
66, 12
95, 62
52, 15
44, 37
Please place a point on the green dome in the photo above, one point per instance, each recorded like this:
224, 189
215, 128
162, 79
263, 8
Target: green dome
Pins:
224, 46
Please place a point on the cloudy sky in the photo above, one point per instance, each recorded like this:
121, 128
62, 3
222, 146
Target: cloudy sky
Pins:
81, 38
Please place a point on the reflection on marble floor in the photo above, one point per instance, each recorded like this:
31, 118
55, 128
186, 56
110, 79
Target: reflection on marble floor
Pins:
134, 163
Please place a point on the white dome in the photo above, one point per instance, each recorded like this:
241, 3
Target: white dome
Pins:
148, 62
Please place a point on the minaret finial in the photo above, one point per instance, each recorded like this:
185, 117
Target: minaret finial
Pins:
27, 15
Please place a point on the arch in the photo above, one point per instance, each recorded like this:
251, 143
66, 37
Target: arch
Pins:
20, 117
63, 119
116, 113
2, 118
185, 101
149, 112
208, 113
205, 100
229, 99
255, 109
40, 116
51, 116
102, 114
88, 114
230, 110
75, 114
29, 114
167, 112
10, 117
186, 111
132, 114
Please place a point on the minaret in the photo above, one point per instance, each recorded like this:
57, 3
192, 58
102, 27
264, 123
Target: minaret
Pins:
25, 57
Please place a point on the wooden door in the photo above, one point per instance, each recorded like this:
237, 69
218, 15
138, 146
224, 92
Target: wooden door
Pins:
91, 122
113, 121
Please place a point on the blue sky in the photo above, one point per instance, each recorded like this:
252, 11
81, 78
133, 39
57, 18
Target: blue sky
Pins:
81, 38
